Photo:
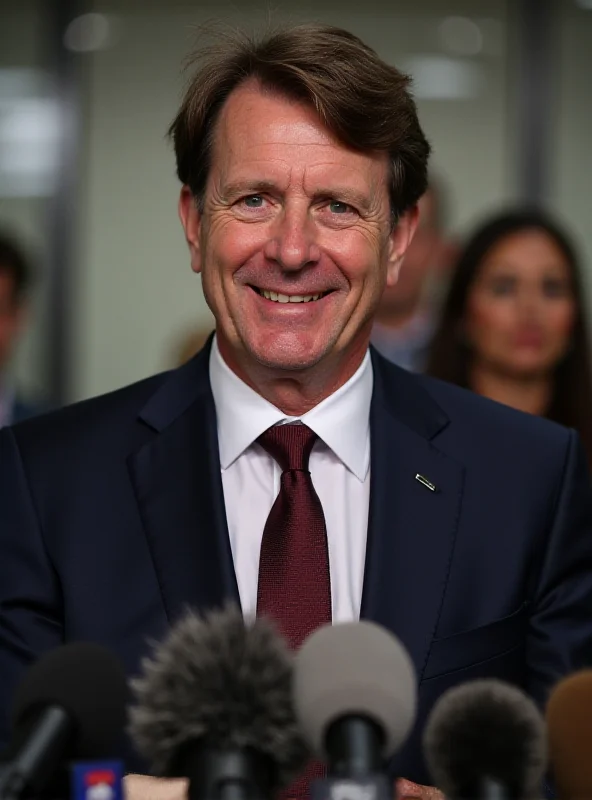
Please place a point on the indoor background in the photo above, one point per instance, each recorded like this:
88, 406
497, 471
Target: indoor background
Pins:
87, 181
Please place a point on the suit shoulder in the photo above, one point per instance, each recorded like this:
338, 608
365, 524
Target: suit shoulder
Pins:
109, 411
25, 409
490, 419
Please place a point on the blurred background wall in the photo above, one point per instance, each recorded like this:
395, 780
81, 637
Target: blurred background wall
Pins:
28, 131
116, 247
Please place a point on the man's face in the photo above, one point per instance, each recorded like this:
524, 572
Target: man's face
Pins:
11, 317
295, 242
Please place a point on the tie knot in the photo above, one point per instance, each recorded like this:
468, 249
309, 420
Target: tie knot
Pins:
290, 445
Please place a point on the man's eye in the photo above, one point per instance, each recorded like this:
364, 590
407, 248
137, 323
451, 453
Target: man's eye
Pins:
253, 201
337, 207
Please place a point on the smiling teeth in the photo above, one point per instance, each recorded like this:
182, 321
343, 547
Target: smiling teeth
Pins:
292, 298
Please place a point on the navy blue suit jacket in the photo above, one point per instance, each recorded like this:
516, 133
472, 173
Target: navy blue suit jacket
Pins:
22, 410
112, 521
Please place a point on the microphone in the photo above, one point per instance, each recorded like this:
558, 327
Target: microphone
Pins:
70, 704
486, 739
355, 697
214, 705
569, 726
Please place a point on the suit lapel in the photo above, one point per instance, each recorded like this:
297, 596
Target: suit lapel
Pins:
176, 478
411, 528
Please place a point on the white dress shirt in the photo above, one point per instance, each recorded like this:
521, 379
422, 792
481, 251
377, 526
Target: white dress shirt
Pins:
340, 472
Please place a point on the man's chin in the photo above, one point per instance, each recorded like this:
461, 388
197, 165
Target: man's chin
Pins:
289, 364
289, 359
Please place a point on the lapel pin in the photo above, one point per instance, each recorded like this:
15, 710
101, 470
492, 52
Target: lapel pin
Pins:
425, 482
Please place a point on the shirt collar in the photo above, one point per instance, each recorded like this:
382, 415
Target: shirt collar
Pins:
341, 420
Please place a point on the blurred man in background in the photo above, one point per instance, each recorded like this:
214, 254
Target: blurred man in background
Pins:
406, 316
15, 279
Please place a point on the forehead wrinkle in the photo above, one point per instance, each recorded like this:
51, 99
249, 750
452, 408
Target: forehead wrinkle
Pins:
365, 192
283, 142
276, 135
262, 179
326, 177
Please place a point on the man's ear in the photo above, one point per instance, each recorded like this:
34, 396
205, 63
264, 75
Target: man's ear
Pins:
191, 219
399, 240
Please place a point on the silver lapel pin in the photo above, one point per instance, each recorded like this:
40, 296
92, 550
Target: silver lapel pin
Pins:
425, 482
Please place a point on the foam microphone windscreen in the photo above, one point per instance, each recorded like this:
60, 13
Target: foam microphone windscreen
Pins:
569, 725
223, 683
89, 683
486, 729
356, 668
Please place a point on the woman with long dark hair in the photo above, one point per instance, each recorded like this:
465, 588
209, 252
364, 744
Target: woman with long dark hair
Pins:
513, 325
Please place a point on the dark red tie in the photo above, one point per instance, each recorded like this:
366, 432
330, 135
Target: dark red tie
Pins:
294, 584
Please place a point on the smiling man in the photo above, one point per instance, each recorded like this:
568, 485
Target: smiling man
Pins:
295, 238
288, 466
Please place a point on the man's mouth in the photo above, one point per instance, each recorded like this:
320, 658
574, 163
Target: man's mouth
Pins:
276, 297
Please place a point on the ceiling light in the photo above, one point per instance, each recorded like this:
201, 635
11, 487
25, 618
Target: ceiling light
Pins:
461, 36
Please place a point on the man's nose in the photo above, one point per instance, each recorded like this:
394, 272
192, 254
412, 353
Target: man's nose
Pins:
293, 241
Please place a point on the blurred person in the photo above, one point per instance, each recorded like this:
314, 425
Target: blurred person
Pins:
15, 280
407, 313
288, 466
513, 326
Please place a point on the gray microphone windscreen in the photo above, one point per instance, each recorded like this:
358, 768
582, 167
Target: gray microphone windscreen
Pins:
224, 683
356, 668
486, 729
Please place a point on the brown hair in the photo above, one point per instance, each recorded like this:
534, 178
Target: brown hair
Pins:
450, 358
362, 100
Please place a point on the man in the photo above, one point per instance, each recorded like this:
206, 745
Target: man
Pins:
404, 322
15, 276
287, 466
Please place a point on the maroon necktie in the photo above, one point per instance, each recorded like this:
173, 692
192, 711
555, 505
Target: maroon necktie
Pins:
294, 585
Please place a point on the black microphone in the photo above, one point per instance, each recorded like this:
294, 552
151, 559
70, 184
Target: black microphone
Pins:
70, 705
355, 698
486, 740
214, 705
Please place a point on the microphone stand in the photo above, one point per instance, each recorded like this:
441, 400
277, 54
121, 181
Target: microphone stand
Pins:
228, 774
